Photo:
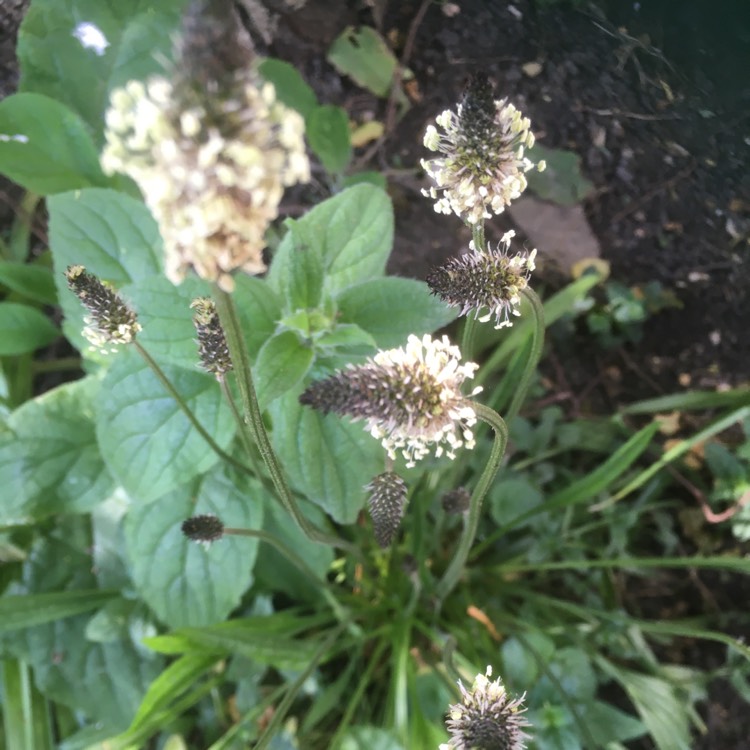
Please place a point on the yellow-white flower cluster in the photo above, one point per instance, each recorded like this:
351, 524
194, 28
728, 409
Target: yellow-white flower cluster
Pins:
436, 412
482, 169
212, 166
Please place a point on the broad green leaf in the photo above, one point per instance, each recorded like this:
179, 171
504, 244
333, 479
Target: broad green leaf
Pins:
364, 56
291, 89
186, 583
329, 459
31, 281
524, 660
25, 611
274, 571
41, 158
561, 182
259, 310
302, 286
76, 51
167, 319
49, 458
145, 438
23, 329
512, 495
662, 711
609, 724
327, 130
282, 363
392, 308
353, 232
112, 235
347, 337
104, 681
243, 637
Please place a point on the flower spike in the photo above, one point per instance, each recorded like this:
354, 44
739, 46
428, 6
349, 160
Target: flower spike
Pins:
387, 502
491, 281
487, 718
482, 164
411, 398
211, 149
111, 321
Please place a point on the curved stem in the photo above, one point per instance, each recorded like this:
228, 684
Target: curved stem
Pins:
241, 363
174, 393
537, 344
245, 437
298, 563
470, 324
455, 569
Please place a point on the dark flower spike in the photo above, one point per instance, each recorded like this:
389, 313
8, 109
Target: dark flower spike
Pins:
110, 321
204, 529
482, 164
487, 718
212, 344
387, 502
491, 281
411, 398
456, 501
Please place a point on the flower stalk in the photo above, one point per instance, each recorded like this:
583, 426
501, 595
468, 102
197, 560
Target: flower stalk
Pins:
253, 419
454, 571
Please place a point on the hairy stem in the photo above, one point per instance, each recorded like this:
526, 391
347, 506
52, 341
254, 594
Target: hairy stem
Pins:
455, 569
537, 344
230, 323
470, 324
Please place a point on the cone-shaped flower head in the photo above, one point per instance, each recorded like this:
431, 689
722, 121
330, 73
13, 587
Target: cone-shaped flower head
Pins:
110, 321
211, 149
212, 344
491, 281
204, 529
411, 398
387, 502
482, 167
487, 718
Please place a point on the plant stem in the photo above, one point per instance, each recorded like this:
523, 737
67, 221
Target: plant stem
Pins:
470, 324
174, 393
298, 563
455, 569
537, 344
230, 322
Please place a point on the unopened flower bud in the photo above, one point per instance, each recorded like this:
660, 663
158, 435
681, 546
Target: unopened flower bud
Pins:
111, 321
387, 502
204, 528
456, 501
212, 344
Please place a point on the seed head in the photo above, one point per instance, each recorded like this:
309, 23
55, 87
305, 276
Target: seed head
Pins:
411, 398
486, 719
204, 529
482, 167
111, 321
212, 344
491, 281
387, 503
